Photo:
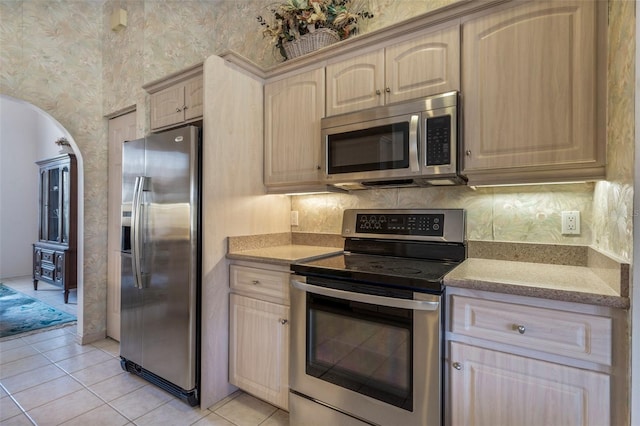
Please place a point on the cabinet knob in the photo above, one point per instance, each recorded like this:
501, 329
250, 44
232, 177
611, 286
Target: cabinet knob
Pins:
468, 152
388, 90
318, 167
255, 282
283, 321
521, 328
178, 109
378, 92
457, 366
184, 107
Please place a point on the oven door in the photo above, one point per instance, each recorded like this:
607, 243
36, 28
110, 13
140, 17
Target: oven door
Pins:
374, 358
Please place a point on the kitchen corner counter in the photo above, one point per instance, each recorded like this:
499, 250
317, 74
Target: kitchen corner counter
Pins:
283, 248
579, 284
284, 254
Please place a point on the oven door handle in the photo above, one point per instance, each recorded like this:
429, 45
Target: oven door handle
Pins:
419, 305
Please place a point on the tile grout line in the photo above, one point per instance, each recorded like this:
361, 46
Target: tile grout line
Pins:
68, 374
24, 412
91, 391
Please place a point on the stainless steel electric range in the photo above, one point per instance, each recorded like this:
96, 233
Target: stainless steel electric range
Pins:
366, 336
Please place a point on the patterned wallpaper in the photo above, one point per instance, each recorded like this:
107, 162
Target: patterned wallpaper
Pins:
51, 56
613, 199
61, 56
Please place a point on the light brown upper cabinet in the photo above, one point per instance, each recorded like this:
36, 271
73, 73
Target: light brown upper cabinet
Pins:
177, 99
410, 69
533, 94
294, 107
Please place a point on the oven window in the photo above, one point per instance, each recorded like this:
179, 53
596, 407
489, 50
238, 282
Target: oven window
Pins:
377, 148
361, 347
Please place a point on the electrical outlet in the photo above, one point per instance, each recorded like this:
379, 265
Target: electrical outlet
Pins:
294, 218
571, 223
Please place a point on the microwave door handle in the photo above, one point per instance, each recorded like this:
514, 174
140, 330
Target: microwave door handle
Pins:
419, 305
414, 162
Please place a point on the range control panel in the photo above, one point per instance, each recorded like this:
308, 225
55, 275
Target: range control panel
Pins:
405, 224
401, 224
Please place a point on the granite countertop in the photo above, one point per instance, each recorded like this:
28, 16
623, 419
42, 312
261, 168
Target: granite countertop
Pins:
568, 283
284, 254
577, 274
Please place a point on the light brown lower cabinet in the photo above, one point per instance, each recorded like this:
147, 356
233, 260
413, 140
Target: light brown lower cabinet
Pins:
489, 387
259, 334
516, 360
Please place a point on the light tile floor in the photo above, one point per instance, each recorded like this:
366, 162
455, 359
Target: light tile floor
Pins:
46, 378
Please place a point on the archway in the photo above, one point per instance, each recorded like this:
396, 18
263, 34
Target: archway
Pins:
27, 134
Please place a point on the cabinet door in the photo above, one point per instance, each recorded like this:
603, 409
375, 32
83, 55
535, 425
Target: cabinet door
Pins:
293, 110
193, 98
167, 106
355, 84
59, 265
65, 203
53, 205
259, 349
495, 388
37, 262
529, 84
43, 232
424, 66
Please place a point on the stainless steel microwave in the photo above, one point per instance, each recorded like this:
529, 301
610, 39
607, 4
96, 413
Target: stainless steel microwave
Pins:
408, 144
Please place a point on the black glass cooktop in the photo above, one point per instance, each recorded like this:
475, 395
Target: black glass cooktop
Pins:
404, 273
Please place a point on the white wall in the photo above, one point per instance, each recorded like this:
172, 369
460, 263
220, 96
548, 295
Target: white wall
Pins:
26, 135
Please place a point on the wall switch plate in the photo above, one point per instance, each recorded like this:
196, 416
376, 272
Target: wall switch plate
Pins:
571, 223
294, 218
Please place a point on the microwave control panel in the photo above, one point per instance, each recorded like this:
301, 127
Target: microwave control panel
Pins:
438, 140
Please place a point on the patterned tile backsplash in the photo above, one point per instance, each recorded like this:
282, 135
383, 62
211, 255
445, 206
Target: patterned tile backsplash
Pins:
519, 214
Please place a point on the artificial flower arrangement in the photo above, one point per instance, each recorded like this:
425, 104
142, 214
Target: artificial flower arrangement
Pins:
294, 20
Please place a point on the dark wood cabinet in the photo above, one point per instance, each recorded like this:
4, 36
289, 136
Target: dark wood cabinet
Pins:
54, 254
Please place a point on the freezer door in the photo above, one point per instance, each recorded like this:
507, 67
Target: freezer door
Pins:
130, 295
130, 313
170, 264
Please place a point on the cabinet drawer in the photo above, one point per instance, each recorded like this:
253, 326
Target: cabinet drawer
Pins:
580, 336
47, 256
47, 272
260, 282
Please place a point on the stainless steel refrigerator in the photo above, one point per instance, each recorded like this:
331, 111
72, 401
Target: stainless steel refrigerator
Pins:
160, 287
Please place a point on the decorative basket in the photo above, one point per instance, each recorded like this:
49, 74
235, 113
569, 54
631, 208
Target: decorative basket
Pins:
309, 42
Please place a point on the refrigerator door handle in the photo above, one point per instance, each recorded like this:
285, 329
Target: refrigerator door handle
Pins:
136, 228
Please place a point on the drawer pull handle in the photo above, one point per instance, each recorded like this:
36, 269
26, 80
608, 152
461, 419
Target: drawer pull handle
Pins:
255, 282
521, 328
283, 321
457, 366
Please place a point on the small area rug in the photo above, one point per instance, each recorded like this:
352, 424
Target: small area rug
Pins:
20, 313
